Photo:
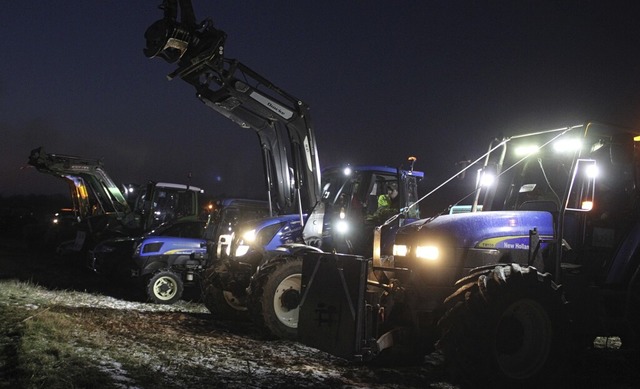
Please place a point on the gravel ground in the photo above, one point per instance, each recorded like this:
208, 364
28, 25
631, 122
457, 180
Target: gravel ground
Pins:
181, 342
185, 347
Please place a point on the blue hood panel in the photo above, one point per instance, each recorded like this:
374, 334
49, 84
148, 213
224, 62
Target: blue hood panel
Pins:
267, 221
493, 229
166, 245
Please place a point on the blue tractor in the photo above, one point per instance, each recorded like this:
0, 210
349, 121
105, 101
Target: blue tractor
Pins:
168, 263
545, 260
266, 283
259, 273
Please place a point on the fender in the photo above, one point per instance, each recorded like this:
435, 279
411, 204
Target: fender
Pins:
178, 261
289, 249
153, 267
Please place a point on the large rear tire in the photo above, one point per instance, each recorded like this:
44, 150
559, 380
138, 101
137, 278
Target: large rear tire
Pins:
275, 297
505, 327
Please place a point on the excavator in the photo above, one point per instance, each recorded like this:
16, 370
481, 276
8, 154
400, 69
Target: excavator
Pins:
257, 272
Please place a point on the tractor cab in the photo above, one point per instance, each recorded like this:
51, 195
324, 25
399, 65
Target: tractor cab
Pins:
586, 178
356, 199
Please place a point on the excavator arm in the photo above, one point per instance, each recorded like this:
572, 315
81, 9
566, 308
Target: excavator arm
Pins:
281, 121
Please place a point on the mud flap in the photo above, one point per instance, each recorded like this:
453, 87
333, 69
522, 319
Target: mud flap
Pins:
334, 316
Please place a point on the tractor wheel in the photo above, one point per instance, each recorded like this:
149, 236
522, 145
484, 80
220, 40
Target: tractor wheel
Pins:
275, 297
164, 287
408, 345
221, 303
505, 327
224, 304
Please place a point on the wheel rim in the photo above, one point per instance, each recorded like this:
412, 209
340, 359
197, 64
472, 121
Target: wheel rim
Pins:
165, 288
233, 301
286, 299
523, 339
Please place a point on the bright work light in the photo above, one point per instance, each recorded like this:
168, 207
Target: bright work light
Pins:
249, 236
342, 226
427, 252
524, 150
400, 250
567, 145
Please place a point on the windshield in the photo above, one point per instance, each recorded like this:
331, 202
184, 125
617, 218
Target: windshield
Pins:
536, 170
364, 192
535, 183
187, 229
227, 220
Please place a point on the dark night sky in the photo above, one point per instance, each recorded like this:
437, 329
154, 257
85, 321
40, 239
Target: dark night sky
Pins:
385, 80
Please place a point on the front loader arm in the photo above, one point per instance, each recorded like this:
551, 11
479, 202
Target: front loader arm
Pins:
281, 121
83, 175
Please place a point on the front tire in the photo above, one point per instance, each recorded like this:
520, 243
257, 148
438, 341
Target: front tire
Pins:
165, 287
506, 327
275, 297
224, 304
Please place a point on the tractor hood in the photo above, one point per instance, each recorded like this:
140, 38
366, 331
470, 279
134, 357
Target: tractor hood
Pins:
493, 229
168, 245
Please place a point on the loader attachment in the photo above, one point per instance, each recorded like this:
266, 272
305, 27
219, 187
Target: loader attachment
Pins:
334, 316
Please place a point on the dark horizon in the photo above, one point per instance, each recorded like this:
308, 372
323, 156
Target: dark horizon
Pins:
434, 80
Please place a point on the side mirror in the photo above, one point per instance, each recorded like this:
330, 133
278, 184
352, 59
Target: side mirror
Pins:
581, 195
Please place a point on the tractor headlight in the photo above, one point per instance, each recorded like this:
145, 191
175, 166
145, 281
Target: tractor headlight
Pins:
342, 226
242, 250
249, 236
244, 243
428, 252
400, 250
